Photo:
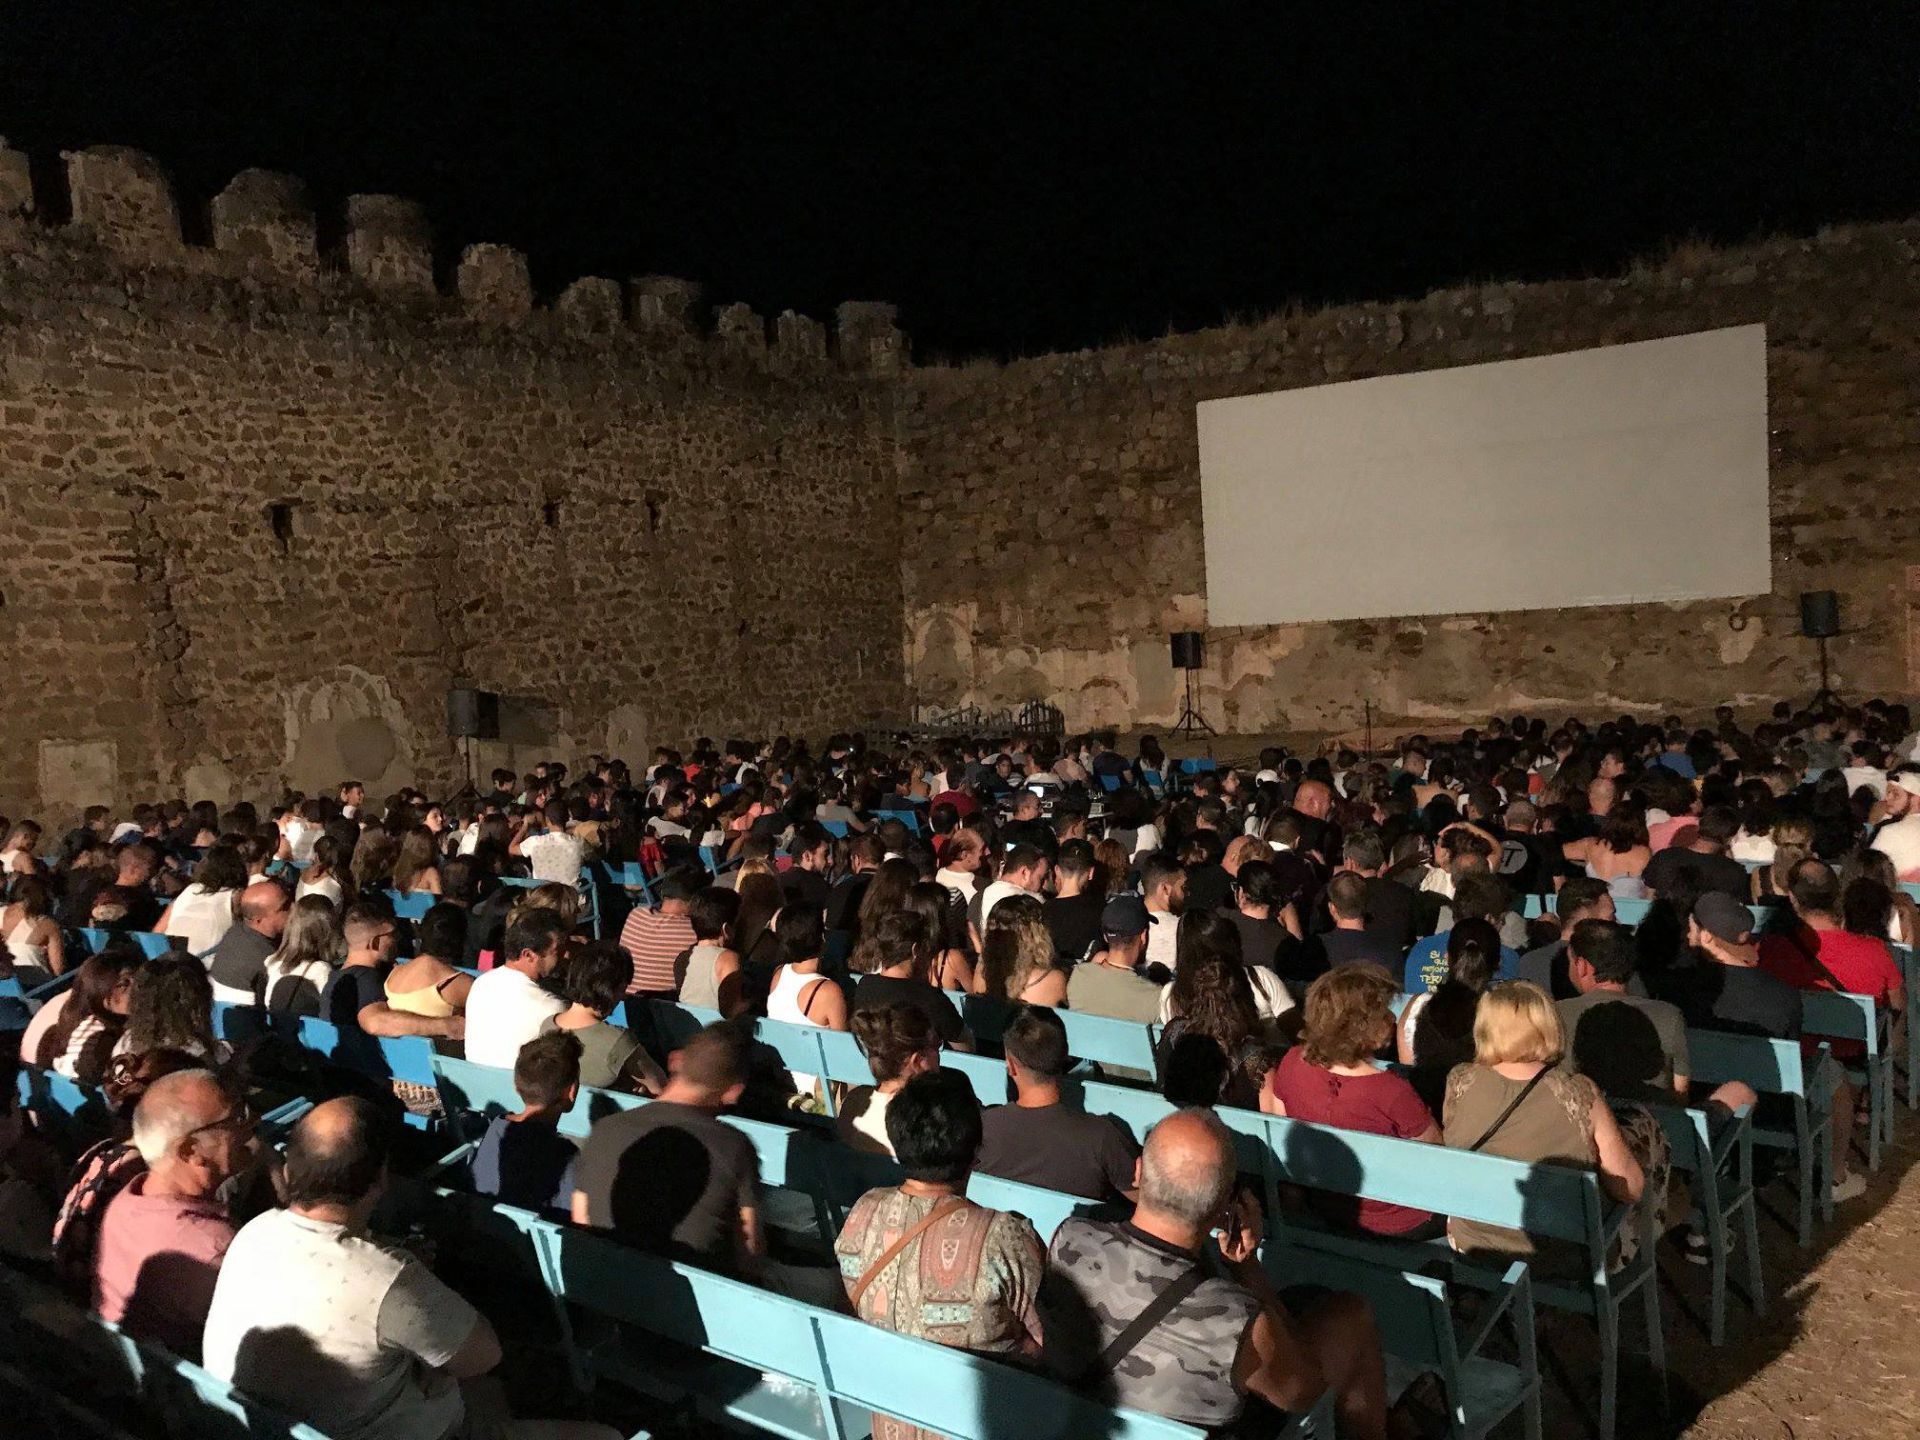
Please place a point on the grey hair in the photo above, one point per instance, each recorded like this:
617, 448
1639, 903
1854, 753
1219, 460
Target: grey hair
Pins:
166, 1115
1180, 1183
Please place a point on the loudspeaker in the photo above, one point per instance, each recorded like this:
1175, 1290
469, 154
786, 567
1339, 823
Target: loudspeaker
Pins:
1189, 649
473, 714
1819, 614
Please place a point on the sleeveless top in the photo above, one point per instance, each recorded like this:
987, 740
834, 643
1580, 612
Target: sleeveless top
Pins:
1553, 1125
1622, 887
791, 989
1183, 1367
22, 950
698, 987
426, 1001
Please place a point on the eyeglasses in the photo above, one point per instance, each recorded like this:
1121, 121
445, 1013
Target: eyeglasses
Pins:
241, 1117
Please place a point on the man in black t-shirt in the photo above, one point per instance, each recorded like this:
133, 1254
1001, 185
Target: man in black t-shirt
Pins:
1704, 859
1725, 988
672, 1177
1038, 1140
805, 881
1073, 911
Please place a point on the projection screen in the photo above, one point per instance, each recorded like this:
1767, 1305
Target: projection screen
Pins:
1600, 477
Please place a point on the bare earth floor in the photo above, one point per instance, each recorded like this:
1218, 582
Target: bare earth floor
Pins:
1836, 1354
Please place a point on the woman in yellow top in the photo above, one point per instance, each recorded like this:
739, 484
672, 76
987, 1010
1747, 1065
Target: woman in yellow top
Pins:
431, 985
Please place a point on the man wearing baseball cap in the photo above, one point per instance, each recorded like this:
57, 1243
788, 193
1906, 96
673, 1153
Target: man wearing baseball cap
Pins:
1724, 987
1108, 982
1898, 838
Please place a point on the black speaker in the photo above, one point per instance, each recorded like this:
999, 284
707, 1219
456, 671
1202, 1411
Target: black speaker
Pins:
1819, 614
473, 714
1189, 649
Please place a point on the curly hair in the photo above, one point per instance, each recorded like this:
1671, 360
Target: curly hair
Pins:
1017, 947
890, 1036
1349, 1015
170, 1007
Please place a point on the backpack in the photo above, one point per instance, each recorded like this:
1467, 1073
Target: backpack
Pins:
99, 1175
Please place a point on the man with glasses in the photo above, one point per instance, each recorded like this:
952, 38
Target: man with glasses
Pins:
356, 996
162, 1238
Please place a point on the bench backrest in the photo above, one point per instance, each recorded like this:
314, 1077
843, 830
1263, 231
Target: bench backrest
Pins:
959, 1395
1771, 1067
398, 1057
1841, 1015
1099, 1038
411, 904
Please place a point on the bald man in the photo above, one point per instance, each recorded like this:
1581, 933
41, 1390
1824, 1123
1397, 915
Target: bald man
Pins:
1227, 1314
1312, 808
163, 1237
238, 964
306, 1292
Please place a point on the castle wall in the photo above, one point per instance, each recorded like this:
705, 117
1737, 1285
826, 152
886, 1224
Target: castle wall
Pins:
1051, 509
260, 505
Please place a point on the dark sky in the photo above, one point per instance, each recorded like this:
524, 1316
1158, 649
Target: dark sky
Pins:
1017, 177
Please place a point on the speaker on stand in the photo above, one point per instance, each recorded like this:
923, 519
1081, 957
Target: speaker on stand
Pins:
1820, 622
472, 715
1189, 651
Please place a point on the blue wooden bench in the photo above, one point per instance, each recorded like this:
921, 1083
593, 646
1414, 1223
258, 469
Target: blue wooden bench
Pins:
1780, 1067
411, 904
1415, 1314
1097, 1039
406, 1058
1839, 1015
87, 1369
1909, 972
1720, 1169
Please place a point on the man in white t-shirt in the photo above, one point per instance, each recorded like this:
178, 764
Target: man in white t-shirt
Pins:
1023, 872
507, 1006
1163, 885
1899, 838
551, 853
352, 1336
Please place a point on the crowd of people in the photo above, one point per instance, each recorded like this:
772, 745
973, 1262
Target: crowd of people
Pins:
1335, 938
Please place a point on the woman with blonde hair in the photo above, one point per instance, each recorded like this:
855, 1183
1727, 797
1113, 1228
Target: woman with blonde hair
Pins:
1017, 958
562, 900
1513, 1100
1111, 866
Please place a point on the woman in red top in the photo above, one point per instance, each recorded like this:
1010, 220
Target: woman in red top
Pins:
1332, 1078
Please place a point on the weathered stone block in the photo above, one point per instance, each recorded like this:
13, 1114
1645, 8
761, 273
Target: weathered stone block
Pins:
265, 221
389, 242
493, 281
868, 338
740, 327
590, 305
799, 340
665, 303
124, 197
16, 183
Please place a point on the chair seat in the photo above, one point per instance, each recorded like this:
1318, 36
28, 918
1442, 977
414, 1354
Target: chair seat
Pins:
718, 1388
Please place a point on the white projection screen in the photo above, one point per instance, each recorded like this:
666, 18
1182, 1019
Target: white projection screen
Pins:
1601, 477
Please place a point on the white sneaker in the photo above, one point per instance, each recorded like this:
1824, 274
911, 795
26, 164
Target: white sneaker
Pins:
1849, 1187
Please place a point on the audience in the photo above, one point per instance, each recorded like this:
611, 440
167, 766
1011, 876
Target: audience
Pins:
1017, 958
920, 1259
592, 980
162, 1237
658, 941
336, 1329
512, 1002
1039, 1139
432, 984
312, 947
1110, 981
237, 963
899, 1042
1221, 1341
522, 1159
1332, 1077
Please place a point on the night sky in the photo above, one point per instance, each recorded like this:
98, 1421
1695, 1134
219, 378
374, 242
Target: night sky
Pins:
1017, 177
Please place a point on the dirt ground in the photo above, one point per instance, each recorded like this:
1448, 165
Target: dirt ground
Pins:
1835, 1355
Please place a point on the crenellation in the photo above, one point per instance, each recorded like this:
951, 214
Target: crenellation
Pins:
389, 243
868, 339
493, 281
741, 328
799, 341
264, 221
666, 304
124, 198
590, 305
16, 184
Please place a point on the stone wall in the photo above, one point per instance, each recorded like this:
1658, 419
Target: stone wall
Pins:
262, 502
1051, 508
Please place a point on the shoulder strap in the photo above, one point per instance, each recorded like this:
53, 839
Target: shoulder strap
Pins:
933, 1217
1158, 1308
1512, 1105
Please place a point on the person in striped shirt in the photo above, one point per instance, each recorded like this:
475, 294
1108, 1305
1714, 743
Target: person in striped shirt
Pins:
657, 941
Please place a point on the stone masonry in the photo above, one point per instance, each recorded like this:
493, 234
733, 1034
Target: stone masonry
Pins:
1051, 509
261, 506
263, 501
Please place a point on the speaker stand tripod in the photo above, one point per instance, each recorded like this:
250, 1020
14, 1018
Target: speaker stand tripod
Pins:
1191, 721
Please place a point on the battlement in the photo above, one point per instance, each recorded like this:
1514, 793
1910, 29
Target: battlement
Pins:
264, 232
